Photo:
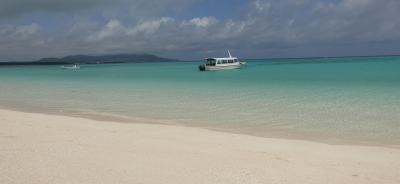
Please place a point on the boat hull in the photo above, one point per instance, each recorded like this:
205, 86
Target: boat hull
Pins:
70, 67
215, 68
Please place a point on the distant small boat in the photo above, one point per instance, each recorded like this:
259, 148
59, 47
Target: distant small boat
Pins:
72, 67
221, 63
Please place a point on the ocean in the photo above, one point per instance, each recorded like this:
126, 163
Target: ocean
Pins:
333, 100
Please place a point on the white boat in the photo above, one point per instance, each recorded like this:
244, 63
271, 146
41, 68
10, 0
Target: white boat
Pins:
221, 63
72, 67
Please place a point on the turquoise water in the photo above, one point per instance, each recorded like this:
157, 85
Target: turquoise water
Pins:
354, 98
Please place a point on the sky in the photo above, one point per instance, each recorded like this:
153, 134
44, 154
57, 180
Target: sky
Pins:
195, 29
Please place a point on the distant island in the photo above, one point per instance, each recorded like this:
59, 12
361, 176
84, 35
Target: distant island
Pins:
87, 59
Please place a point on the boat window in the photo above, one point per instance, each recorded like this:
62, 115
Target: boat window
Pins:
219, 62
224, 61
230, 61
236, 60
211, 62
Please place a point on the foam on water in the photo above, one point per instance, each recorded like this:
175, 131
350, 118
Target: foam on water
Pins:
346, 98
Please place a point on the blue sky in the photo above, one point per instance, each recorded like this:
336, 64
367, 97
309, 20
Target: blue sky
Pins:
194, 29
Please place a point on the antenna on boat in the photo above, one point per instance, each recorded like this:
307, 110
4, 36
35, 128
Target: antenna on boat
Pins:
230, 56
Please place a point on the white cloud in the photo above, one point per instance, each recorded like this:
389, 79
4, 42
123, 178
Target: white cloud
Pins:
112, 28
21, 32
27, 31
261, 5
201, 22
150, 26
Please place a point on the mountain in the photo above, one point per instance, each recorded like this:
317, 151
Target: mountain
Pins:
87, 59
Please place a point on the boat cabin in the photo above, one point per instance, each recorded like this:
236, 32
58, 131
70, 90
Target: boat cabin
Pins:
221, 61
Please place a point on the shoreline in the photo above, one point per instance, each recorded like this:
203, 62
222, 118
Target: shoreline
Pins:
318, 137
42, 148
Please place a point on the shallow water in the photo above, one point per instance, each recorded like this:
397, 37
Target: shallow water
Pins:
353, 98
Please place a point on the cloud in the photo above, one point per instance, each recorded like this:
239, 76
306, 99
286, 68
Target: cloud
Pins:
262, 5
132, 8
272, 24
14, 8
201, 22
112, 28
267, 28
16, 40
149, 26
22, 32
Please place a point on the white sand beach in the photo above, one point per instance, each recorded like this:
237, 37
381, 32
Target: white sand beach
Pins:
39, 148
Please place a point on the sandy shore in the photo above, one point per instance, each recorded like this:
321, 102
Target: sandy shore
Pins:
38, 148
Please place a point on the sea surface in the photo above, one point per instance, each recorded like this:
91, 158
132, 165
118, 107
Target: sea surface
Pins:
348, 99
